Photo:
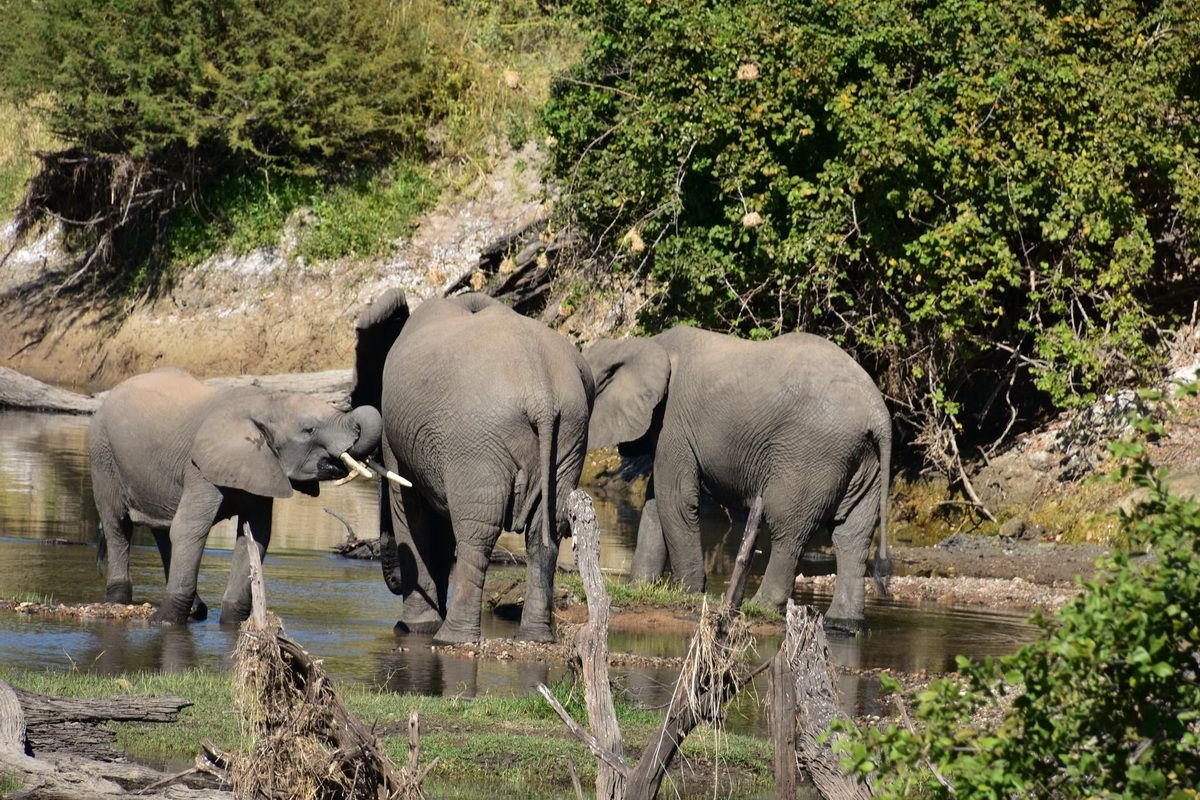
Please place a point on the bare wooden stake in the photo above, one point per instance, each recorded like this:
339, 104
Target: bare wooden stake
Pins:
592, 643
258, 592
804, 659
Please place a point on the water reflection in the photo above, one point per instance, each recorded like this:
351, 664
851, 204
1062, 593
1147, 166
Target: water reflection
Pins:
340, 610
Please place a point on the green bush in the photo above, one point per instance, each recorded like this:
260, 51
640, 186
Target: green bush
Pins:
303, 82
159, 102
1105, 705
969, 194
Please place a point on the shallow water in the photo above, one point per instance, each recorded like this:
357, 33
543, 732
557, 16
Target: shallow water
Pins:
341, 611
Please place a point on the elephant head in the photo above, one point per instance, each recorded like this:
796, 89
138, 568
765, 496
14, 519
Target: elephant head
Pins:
632, 376
271, 443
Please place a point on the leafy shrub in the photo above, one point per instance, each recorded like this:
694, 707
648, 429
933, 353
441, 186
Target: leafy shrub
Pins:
974, 196
1105, 705
157, 101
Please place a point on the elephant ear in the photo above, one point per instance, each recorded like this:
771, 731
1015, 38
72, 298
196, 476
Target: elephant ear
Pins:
232, 450
631, 378
376, 330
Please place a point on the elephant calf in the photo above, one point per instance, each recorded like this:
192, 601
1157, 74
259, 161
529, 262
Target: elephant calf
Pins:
486, 412
793, 419
173, 454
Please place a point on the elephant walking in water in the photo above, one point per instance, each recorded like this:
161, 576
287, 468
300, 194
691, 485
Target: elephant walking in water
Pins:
171, 453
794, 419
486, 411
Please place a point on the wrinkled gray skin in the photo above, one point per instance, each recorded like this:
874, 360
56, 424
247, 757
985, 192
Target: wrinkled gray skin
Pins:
486, 412
794, 419
178, 456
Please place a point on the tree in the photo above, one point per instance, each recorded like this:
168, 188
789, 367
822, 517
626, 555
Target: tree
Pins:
994, 205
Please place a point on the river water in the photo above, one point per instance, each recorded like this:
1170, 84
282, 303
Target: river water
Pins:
339, 609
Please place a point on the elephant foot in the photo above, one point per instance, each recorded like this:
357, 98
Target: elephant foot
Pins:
233, 615
536, 633
199, 611
120, 592
414, 626
844, 627
448, 634
174, 610
418, 617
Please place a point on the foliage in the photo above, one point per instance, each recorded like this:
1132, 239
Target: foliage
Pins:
1105, 705
155, 102
973, 196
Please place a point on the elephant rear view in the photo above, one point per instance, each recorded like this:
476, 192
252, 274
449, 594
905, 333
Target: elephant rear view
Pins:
176, 455
486, 411
794, 419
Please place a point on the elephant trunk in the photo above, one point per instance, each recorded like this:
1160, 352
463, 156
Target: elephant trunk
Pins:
370, 431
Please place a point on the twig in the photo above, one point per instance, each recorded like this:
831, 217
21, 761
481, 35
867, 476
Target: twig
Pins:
604, 754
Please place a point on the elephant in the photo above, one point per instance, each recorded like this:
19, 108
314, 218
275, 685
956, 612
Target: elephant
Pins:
177, 455
486, 412
794, 419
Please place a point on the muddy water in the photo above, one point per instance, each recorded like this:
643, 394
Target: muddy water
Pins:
339, 609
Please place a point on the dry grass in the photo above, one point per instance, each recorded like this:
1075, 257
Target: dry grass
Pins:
716, 658
305, 744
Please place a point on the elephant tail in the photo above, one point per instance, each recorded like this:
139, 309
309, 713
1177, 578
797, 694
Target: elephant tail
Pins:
883, 562
545, 426
101, 548
389, 553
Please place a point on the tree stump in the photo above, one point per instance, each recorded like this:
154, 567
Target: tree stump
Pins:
805, 706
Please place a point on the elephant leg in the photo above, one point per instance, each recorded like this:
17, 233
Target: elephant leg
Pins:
117, 530
650, 554
477, 523
417, 550
541, 563
788, 540
852, 544
162, 538
677, 482
254, 530
198, 507
462, 617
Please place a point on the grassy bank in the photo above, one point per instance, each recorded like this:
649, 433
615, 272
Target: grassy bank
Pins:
490, 745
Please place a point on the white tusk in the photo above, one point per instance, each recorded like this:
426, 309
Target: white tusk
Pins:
356, 466
342, 481
391, 476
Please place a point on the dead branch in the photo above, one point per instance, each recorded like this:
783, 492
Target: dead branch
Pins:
592, 643
805, 705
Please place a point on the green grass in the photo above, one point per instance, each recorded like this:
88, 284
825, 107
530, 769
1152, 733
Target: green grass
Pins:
360, 218
515, 746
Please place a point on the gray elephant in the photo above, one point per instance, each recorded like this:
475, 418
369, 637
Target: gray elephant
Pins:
794, 419
486, 412
176, 455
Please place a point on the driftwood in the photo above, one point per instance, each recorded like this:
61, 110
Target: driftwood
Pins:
804, 705
515, 268
19, 391
27, 720
707, 682
305, 743
22, 392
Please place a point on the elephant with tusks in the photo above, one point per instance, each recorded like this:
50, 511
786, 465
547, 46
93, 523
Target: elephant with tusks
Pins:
177, 455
